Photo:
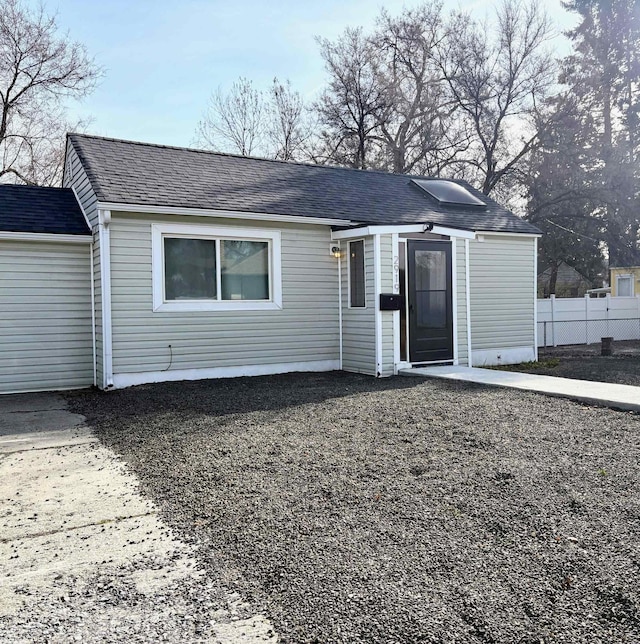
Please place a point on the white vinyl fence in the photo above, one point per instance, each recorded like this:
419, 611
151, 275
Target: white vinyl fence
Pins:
585, 320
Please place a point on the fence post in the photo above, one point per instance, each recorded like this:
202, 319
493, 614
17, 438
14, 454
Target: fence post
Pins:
586, 318
552, 297
608, 298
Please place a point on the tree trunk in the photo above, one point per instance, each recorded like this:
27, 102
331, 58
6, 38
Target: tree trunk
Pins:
553, 278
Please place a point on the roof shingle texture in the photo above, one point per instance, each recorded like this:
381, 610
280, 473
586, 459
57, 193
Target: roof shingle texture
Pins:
154, 175
33, 209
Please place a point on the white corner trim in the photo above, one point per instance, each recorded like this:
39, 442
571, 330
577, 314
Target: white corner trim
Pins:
395, 251
454, 297
215, 232
45, 237
535, 298
93, 316
121, 380
377, 272
467, 273
104, 217
223, 214
340, 330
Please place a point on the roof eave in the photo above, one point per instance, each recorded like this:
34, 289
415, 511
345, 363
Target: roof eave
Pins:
214, 212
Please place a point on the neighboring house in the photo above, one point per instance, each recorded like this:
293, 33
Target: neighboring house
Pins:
208, 265
568, 283
625, 281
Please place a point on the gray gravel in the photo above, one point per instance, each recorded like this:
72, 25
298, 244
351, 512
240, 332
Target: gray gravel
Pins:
584, 362
361, 510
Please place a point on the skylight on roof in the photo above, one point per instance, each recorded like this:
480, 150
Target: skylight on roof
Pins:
448, 192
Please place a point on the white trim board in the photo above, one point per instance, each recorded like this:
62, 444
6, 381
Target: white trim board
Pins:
454, 299
104, 235
46, 237
222, 214
402, 228
377, 272
395, 250
121, 380
489, 233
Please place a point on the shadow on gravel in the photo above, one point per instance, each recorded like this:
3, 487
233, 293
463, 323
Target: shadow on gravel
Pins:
230, 396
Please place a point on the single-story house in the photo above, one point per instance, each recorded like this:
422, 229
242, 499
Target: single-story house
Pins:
158, 263
625, 281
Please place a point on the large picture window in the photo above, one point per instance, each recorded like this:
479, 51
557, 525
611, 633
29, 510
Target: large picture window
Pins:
214, 268
357, 295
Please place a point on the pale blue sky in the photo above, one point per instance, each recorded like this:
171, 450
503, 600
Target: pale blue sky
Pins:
163, 58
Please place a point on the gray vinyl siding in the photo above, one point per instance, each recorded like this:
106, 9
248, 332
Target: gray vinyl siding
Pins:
461, 301
502, 292
45, 326
386, 286
358, 324
76, 177
306, 329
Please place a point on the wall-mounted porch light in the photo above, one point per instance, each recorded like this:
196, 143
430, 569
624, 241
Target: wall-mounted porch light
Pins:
335, 251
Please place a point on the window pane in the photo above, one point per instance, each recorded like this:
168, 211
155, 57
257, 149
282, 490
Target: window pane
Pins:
189, 269
625, 287
356, 273
244, 269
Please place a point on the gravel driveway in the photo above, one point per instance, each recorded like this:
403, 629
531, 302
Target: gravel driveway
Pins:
362, 510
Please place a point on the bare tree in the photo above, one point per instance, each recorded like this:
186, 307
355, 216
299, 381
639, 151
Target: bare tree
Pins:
39, 70
416, 126
498, 77
288, 128
234, 121
349, 107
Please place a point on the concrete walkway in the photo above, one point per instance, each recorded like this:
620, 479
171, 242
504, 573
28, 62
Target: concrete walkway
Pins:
83, 556
595, 393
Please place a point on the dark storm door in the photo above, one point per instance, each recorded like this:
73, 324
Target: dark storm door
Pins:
430, 302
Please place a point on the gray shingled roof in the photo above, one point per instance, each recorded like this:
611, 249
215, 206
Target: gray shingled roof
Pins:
32, 209
155, 175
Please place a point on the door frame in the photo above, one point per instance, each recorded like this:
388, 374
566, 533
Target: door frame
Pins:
404, 361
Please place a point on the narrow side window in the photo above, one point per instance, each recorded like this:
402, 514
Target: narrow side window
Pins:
356, 274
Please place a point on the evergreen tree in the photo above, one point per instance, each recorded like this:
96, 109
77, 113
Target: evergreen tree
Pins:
603, 75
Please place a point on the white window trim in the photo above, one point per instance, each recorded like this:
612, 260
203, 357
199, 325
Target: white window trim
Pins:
158, 231
364, 263
628, 276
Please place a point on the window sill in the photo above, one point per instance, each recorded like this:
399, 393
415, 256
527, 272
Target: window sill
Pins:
226, 305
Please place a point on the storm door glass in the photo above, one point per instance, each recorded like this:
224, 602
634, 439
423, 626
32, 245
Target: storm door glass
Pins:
431, 288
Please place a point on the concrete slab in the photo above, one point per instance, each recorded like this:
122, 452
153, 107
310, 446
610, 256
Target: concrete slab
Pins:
25, 441
604, 394
84, 556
